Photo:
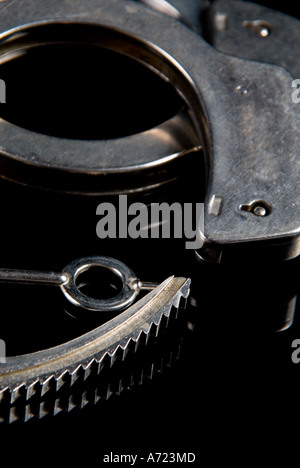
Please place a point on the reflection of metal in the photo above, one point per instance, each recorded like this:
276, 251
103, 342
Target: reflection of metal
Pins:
188, 12
287, 318
142, 363
255, 299
240, 112
40, 371
168, 9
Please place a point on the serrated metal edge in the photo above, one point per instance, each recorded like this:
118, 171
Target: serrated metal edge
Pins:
69, 376
90, 398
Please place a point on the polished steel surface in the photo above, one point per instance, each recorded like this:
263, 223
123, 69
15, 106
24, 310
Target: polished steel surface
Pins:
87, 352
67, 281
240, 113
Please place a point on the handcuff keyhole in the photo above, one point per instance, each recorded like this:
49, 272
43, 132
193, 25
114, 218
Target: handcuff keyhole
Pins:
259, 208
99, 283
259, 27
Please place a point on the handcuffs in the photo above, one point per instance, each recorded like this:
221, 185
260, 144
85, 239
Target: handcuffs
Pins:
238, 115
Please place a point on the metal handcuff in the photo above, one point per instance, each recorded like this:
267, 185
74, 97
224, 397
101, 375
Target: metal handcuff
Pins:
238, 112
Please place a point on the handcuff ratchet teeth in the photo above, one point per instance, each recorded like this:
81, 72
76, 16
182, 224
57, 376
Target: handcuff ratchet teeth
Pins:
36, 373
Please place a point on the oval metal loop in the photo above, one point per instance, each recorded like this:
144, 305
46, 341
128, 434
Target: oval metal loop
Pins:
130, 284
123, 156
